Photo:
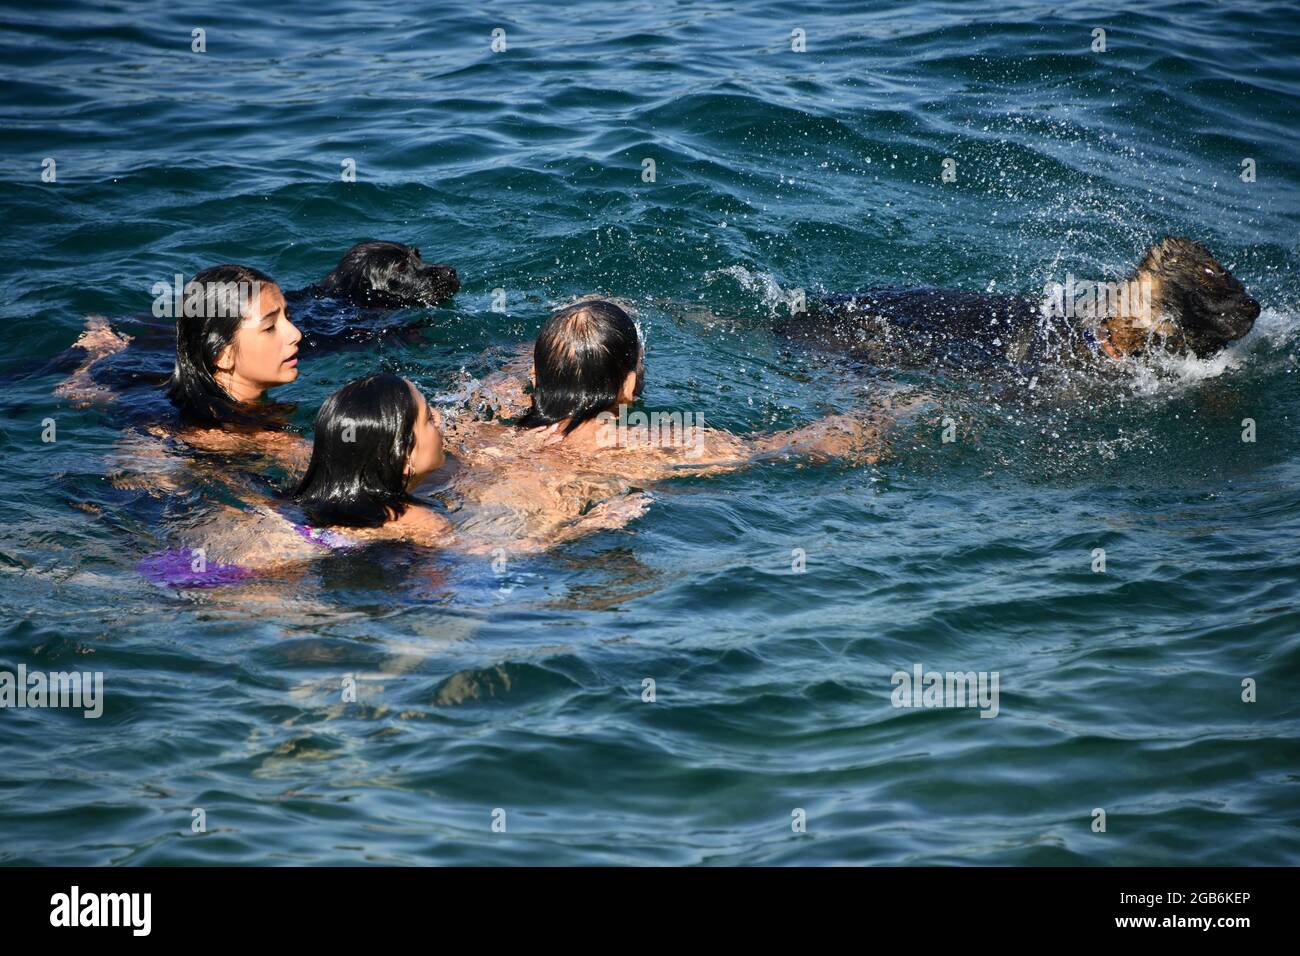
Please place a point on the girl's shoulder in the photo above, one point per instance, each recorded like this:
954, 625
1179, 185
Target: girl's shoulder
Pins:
420, 524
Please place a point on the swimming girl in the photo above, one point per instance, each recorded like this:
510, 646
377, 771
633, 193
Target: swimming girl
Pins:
342, 310
234, 343
376, 441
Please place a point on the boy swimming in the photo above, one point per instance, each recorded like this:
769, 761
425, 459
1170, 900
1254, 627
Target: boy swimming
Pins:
567, 453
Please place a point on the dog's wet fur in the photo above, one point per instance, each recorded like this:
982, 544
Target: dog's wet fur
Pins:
1197, 307
387, 275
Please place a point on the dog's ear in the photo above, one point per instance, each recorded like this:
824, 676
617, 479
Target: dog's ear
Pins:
1163, 253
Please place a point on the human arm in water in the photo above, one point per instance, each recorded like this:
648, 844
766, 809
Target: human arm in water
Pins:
613, 514
504, 393
98, 341
159, 461
858, 436
290, 451
854, 437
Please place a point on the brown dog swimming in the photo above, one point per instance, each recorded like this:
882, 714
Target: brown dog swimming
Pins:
1178, 299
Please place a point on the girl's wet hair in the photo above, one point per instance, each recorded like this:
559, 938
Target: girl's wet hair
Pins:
581, 358
214, 304
364, 435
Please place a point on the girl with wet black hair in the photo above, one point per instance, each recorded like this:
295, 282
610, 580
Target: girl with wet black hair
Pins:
376, 439
234, 342
588, 364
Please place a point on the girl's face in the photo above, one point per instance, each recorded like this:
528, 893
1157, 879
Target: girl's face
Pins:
264, 352
426, 454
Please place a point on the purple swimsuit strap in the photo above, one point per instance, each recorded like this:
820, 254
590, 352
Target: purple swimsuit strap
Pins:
323, 537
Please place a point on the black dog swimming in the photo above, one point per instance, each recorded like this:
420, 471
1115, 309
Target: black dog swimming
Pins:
386, 275
371, 279
1178, 299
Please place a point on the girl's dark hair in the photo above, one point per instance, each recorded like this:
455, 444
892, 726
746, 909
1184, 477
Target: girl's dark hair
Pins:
364, 435
582, 355
208, 319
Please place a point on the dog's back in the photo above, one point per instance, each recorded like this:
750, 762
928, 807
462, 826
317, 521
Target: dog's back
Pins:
925, 325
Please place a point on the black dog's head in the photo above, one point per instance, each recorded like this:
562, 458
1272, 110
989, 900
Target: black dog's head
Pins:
1207, 304
389, 275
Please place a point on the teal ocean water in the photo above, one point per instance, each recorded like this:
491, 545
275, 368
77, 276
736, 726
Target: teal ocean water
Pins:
518, 697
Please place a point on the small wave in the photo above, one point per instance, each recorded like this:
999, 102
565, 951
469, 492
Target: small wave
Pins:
760, 284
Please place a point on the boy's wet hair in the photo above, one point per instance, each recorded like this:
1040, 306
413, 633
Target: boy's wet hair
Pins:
364, 435
215, 301
581, 358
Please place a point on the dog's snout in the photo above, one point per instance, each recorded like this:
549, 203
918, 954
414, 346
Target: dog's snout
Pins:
1250, 308
448, 276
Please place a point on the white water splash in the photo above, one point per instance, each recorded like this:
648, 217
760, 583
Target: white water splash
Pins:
1163, 372
1275, 327
761, 284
